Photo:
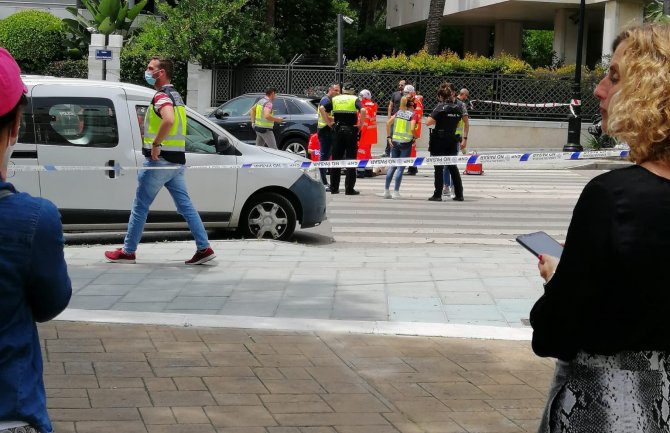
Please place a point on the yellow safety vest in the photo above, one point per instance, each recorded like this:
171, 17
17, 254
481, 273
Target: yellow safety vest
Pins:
460, 128
345, 104
261, 121
401, 127
175, 141
322, 122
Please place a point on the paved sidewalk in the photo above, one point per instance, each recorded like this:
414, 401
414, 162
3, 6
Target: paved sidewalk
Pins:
431, 284
153, 379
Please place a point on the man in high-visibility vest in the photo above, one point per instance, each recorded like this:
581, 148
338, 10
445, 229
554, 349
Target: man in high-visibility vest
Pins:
368, 133
263, 119
164, 144
325, 129
349, 117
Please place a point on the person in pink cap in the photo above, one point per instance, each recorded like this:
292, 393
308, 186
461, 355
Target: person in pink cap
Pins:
34, 283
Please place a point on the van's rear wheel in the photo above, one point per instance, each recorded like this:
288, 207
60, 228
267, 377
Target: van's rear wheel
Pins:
268, 216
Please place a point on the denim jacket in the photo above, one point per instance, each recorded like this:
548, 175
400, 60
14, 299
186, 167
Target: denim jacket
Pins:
34, 287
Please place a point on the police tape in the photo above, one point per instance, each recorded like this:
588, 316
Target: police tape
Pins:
573, 103
487, 158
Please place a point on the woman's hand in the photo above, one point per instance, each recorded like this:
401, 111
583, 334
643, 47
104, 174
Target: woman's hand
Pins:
547, 266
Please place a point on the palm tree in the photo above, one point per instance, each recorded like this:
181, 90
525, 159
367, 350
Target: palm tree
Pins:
435, 13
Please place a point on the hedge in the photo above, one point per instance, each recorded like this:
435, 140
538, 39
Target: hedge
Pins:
35, 39
450, 63
68, 68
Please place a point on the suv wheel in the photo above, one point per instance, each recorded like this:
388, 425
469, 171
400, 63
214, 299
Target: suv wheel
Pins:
296, 145
268, 216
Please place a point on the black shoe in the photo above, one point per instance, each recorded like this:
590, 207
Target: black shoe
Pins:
435, 198
334, 191
360, 175
458, 199
352, 192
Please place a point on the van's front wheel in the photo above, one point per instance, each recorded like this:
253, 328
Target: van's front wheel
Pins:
268, 216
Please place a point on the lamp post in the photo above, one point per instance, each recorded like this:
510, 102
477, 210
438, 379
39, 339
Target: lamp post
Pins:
340, 55
575, 119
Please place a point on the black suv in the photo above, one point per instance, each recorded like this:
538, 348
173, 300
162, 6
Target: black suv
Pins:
299, 114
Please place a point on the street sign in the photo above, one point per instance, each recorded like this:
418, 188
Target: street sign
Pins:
103, 54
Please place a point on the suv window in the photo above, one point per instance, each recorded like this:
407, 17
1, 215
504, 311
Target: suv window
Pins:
279, 107
239, 106
199, 138
89, 122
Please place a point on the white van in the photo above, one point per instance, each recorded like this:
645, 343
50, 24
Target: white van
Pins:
73, 122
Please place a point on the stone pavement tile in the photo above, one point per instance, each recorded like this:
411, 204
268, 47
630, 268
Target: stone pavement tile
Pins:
65, 381
190, 415
300, 312
295, 403
469, 284
224, 358
69, 402
241, 430
235, 385
317, 430
120, 382
473, 312
258, 309
119, 397
190, 384
122, 369
297, 360
236, 399
129, 344
145, 307
510, 391
158, 294
466, 298
287, 386
182, 302
366, 429
159, 384
105, 289
426, 409
66, 393
63, 427
331, 419
355, 403
240, 416
110, 427
485, 422
181, 428
442, 427
157, 415
94, 414
176, 398
56, 368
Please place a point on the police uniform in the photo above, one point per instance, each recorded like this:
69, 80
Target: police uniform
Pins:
345, 110
444, 142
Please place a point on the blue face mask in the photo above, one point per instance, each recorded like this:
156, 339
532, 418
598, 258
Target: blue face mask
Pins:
149, 77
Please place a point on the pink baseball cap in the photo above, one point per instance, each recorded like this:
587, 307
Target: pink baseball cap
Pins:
11, 86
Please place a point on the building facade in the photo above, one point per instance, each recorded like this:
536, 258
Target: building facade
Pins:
496, 26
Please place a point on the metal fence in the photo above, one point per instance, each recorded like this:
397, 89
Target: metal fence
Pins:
500, 88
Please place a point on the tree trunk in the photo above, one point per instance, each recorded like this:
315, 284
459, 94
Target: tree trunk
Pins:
270, 13
435, 13
362, 16
372, 9
666, 7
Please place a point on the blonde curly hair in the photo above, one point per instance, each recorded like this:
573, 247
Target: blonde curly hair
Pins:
640, 112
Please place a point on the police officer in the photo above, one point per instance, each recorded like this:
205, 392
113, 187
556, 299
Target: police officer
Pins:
346, 109
325, 129
443, 140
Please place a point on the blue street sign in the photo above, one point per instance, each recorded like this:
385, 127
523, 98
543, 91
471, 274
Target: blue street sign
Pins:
103, 54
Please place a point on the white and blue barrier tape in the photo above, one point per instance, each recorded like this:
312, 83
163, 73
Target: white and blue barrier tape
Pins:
363, 163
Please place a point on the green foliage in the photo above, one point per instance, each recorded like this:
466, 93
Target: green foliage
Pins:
305, 27
219, 32
35, 38
68, 68
602, 142
537, 48
443, 64
653, 12
109, 17
152, 41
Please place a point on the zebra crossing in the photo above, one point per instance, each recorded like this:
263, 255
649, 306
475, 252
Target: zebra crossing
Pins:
498, 206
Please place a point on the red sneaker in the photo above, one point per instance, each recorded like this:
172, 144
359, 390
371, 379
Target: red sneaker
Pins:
118, 256
201, 256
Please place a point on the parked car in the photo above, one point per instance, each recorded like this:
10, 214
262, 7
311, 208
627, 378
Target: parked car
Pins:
91, 123
299, 113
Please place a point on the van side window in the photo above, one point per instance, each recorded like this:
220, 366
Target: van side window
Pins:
199, 138
89, 122
27, 129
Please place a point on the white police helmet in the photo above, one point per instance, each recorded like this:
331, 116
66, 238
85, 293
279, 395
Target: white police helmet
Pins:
365, 94
408, 89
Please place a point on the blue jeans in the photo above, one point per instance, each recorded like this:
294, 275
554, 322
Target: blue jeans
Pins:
326, 142
149, 184
397, 151
447, 178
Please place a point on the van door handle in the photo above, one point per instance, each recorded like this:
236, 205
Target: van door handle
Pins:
111, 173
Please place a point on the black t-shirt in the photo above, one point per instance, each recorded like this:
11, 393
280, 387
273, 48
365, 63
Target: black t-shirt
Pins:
610, 291
447, 115
395, 98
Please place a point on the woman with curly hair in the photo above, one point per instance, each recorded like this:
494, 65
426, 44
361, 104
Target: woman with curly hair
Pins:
604, 310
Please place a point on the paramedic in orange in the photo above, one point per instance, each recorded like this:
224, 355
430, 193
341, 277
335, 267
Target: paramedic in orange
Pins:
368, 136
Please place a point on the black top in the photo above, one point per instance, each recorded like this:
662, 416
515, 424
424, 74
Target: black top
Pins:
447, 115
395, 98
610, 291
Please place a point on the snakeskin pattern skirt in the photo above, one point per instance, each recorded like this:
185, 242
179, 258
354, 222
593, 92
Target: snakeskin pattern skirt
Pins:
623, 393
